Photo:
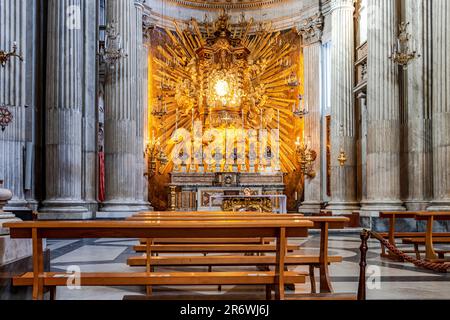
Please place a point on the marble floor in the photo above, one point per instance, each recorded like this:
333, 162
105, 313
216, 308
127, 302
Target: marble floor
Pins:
386, 279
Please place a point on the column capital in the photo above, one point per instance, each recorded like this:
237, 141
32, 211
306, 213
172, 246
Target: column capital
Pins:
342, 4
311, 29
148, 25
139, 3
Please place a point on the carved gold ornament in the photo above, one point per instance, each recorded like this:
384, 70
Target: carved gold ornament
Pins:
221, 74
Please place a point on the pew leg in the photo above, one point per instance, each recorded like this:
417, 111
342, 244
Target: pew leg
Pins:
325, 282
383, 250
52, 290
417, 251
312, 279
38, 266
268, 292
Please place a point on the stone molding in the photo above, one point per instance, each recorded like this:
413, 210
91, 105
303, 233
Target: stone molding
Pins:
311, 29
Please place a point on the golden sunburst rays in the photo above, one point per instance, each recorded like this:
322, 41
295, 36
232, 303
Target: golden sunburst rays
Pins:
184, 62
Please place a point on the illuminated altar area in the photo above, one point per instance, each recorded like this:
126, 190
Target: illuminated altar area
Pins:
226, 112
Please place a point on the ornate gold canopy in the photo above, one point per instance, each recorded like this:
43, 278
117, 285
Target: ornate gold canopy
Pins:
227, 75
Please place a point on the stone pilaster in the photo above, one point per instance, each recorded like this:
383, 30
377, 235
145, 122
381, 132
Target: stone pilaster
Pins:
63, 138
90, 118
148, 27
13, 95
141, 76
122, 163
441, 105
383, 129
418, 108
311, 32
343, 178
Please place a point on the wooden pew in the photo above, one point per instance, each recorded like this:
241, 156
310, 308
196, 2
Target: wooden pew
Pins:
413, 238
322, 223
430, 217
38, 230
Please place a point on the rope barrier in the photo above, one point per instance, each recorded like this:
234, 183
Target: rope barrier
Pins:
435, 266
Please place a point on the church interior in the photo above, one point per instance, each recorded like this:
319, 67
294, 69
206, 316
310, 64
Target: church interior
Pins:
224, 149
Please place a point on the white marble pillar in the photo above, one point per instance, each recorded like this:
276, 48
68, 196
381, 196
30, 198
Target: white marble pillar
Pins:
148, 26
311, 31
343, 178
13, 95
121, 116
418, 108
90, 118
383, 108
441, 105
141, 82
63, 139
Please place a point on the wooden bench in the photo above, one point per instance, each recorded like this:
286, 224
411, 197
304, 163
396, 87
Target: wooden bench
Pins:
228, 260
211, 248
416, 242
322, 223
414, 238
279, 229
430, 217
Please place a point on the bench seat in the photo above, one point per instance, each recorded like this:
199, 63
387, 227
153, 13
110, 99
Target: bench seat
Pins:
162, 278
322, 296
414, 234
227, 260
208, 241
421, 240
212, 248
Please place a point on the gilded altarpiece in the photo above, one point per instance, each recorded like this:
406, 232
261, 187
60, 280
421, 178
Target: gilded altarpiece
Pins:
162, 96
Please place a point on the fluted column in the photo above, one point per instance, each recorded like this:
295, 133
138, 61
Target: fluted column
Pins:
121, 115
343, 178
148, 27
383, 129
63, 114
311, 32
141, 76
441, 105
418, 108
90, 118
12, 94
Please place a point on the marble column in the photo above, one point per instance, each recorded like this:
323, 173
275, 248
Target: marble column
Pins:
63, 139
141, 128
13, 95
311, 31
148, 27
343, 135
418, 108
121, 116
383, 110
441, 105
90, 118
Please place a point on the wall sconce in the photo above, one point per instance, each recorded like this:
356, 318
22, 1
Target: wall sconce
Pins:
112, 50
5, 56
306, 158
342, 155
342, 158
401, 52
5, 117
